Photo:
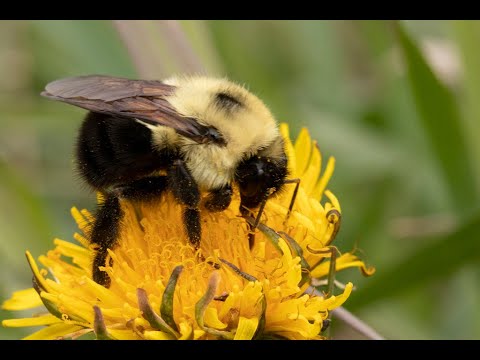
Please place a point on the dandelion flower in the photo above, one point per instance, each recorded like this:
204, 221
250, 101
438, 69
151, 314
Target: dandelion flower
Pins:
162, 288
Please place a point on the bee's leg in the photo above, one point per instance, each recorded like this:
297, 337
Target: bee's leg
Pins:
104, 233
219, 199
185, 190
106, 228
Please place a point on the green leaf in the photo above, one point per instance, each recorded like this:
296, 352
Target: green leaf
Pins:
440, 117
433, 262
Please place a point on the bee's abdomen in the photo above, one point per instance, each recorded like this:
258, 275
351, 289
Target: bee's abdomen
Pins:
112, 150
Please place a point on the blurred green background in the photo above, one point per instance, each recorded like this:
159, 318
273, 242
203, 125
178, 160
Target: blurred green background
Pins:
396, 103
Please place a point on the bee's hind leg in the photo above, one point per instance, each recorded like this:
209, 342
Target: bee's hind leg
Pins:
106, 228
104, 233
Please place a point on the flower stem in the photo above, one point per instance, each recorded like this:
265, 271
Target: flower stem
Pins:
348, 318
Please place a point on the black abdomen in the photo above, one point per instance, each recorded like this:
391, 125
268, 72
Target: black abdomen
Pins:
112, 150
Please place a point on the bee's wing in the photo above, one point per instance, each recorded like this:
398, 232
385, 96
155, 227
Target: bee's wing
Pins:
140, 99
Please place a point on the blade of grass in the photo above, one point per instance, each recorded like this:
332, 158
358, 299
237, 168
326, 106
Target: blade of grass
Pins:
467, 37
355, 323
440, 117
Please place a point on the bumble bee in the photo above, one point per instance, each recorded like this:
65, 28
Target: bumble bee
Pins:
187, 135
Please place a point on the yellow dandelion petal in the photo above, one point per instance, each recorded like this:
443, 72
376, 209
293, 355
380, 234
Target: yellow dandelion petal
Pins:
310, 176
246, 328
198, 334
34, 321
83, 220
211, 319
186, 331
163, 288
289, 150
157, 335
124, 334
36, 272
335, 301
79, 254
345, 261
70, 305
303, 149
296, 326
23, 299
53, 332
333, 199
324, 179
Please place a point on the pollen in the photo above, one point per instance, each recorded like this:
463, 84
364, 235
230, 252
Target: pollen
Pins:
163, 288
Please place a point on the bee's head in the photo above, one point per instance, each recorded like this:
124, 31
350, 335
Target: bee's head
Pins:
262, 175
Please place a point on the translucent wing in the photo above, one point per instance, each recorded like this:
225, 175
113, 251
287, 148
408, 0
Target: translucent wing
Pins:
140, 99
